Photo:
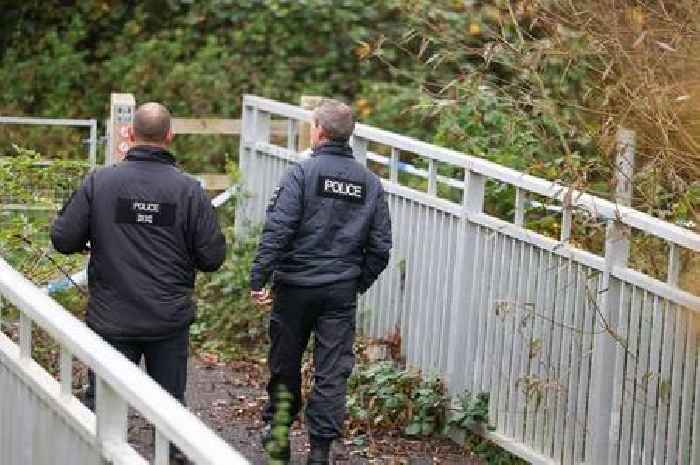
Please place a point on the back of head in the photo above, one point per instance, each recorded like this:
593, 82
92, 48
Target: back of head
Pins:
152, 123
336, 120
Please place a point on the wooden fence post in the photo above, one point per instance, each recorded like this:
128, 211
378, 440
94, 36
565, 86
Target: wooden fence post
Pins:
121, 114
607, 363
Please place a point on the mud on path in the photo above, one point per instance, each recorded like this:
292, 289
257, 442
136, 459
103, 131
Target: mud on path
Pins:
229, 398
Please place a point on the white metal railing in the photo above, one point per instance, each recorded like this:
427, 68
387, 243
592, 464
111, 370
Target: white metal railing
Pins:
35, 403
585, 359
88, 123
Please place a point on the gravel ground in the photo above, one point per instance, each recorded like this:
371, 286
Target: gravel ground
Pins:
229, 397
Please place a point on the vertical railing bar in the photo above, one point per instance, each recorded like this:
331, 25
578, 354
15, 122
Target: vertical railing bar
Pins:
292, 131
674, 264
520, 201
111, 412
162, 449
359, 149
569, 439
508, 337
618, 377
418, 328
432, 176
402, 291
645, 335
695, 453
555, 350
426, 285
545, 352
395, 160
66, 372
446, 288
652, 387
565, 224
481, 311
628, 384
564, 369
92, 154
667, 351
521, 424
472, 203
676, 378
411, 272
499, 327
538, 330
25, 336
475, 299
516, 349
437, 267
489, 312
689, 380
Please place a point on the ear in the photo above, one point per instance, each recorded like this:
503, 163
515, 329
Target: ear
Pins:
132, 135
169, 137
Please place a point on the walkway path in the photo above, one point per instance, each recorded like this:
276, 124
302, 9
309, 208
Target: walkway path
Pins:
229, 398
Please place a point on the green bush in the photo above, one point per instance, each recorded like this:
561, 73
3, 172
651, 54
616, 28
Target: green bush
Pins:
228, 323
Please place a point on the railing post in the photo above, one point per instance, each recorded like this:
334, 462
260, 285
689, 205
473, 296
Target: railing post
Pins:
247, 139
25, 336
604, 411
111, 412
359, 149
457, 365
92, 154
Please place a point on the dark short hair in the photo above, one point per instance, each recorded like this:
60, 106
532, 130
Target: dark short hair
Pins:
151, 122
335, 118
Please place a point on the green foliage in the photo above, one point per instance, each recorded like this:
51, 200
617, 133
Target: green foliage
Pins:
228, 322
384, 397
472, 411
199, 58
29, 182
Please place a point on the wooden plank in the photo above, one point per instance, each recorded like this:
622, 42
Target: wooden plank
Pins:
220, 126
214, 181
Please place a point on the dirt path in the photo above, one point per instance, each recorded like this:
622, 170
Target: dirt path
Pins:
229, 398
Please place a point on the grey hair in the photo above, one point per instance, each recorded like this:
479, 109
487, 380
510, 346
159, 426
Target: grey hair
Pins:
151, 122
335, 118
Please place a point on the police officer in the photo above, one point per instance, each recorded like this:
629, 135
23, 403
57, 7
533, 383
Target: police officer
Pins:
150, 227
327, 237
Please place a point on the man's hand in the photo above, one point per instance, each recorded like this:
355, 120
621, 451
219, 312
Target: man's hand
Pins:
261, 296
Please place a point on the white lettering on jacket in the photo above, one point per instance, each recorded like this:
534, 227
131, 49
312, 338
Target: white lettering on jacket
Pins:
343, 188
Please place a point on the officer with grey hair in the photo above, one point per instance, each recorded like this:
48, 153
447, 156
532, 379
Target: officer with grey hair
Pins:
327, 238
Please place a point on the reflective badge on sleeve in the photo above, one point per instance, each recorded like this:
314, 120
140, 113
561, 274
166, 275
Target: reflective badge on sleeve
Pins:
342, 189
273, 200
145, 212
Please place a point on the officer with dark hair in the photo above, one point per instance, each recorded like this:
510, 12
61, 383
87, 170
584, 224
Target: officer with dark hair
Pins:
327, 238
150, 228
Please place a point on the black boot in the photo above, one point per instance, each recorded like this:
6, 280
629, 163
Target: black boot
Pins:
320, 451
276, 443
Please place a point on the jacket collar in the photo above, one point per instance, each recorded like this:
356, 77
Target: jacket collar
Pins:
150, 153
338, 149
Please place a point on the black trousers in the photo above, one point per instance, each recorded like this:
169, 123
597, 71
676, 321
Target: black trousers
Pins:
166, 363
328, 312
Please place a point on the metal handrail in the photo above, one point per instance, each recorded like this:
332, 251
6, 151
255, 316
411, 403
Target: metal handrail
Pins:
121, 383
597, 206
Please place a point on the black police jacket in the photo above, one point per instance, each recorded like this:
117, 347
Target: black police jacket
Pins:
328, 222
150, 227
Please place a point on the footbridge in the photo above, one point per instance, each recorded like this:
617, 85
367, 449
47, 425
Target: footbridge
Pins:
586, 360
